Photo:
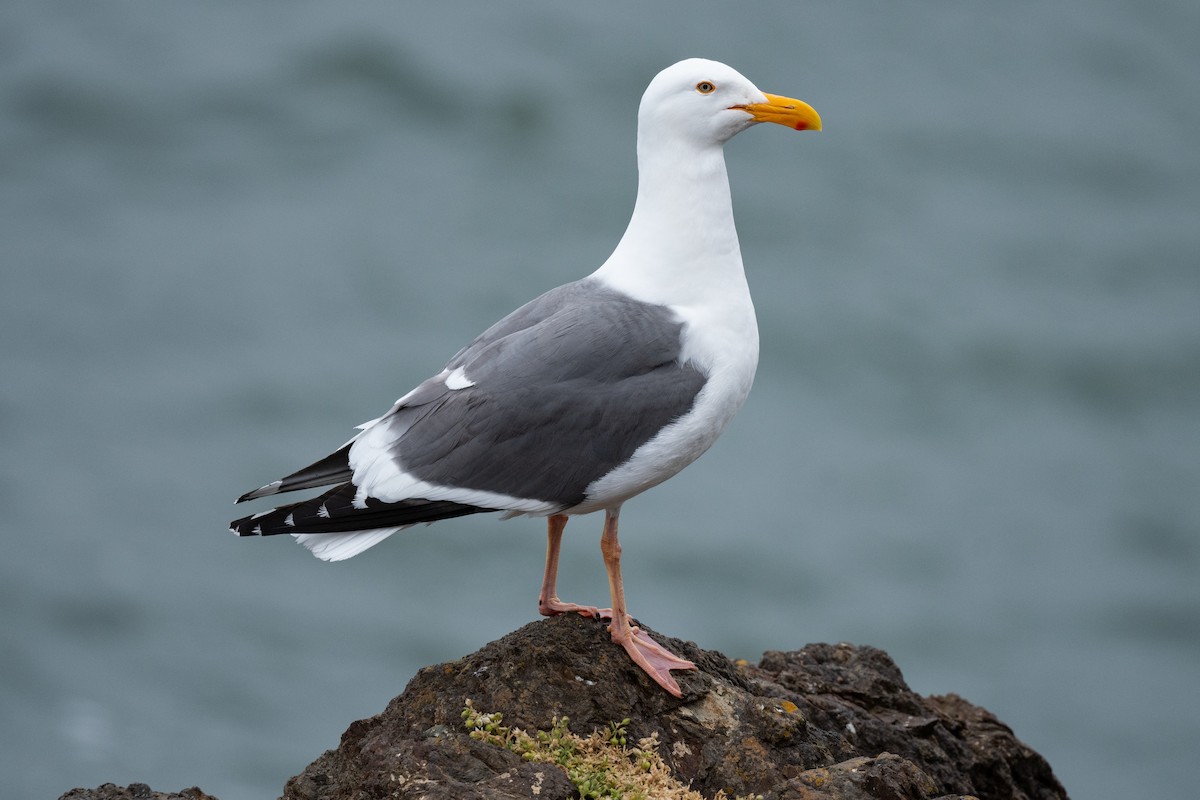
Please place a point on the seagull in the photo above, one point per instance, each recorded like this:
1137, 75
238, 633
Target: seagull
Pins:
591, 393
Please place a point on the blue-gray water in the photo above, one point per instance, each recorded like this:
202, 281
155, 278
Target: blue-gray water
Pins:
230, 232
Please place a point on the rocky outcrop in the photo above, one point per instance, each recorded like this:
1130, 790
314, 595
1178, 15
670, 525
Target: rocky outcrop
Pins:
134, 791
825, 721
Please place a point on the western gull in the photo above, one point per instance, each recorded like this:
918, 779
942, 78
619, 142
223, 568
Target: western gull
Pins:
588, 395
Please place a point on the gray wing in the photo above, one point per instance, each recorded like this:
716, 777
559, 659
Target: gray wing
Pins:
563, 390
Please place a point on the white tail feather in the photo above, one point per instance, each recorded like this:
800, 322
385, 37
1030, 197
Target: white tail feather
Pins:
340, 546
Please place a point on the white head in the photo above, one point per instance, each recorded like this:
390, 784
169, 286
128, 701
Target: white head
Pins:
681, 247
708, 103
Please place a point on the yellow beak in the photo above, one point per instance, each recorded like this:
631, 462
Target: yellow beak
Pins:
784, 111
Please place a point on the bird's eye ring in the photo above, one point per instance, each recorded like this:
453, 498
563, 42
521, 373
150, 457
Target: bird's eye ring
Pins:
705, 87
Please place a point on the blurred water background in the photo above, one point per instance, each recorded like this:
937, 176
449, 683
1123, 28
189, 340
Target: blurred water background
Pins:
230, 232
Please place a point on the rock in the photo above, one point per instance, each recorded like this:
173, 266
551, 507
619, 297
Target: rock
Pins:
835, 722
134, 791
826, 722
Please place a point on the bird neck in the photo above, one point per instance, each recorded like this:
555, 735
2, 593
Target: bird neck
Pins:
681, 246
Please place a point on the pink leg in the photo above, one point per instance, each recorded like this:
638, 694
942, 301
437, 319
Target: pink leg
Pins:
656, 660
548, 603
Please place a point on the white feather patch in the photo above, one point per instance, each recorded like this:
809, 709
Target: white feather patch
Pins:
340, 546
378, 474
441, 376
369, 423
458, 380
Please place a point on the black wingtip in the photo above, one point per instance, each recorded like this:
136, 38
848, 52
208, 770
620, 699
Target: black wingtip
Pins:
333, 468
336, 511
262, 491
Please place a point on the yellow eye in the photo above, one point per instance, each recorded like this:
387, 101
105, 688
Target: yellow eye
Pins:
705, 87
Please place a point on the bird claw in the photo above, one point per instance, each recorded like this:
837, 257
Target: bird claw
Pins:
553, 607
654, 659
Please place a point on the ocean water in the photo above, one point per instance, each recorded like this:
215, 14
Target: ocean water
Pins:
230, 232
